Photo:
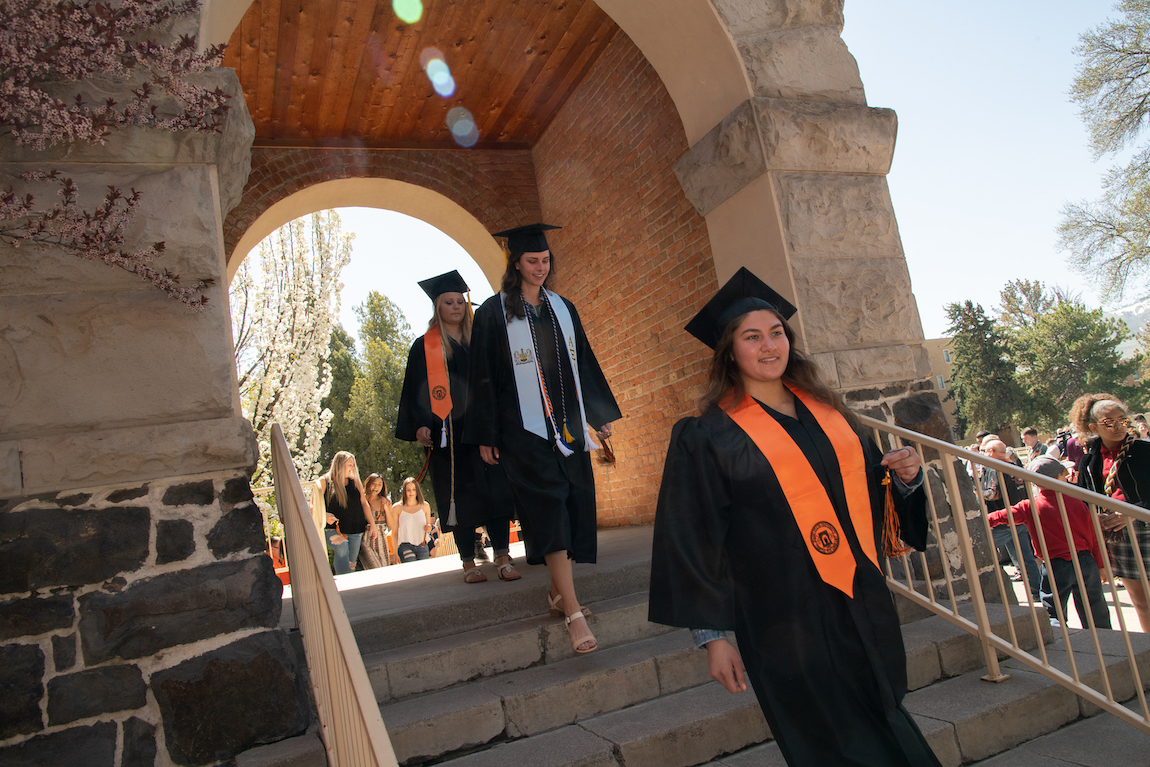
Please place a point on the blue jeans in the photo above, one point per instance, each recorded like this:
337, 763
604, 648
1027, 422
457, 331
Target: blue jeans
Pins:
344, 553
1067, 583
1002, 538
409, 552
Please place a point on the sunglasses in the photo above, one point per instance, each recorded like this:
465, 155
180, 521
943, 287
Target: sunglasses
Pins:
1110, 423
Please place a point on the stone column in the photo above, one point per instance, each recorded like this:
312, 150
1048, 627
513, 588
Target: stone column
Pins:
138, 612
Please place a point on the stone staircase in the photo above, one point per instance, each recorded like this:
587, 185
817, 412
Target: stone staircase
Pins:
472, 676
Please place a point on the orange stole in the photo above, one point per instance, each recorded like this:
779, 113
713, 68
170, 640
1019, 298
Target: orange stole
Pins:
438, 386
806, 495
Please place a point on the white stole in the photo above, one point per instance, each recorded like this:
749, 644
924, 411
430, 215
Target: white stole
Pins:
526, 369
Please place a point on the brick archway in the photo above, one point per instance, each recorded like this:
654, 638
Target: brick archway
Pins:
465, 193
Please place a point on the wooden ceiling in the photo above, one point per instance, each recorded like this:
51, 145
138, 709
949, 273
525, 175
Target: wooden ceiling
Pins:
348, 72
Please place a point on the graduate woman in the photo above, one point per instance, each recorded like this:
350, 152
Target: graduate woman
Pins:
536, 386
770, 523
433, 409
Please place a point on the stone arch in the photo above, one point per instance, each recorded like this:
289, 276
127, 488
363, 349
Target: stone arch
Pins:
466, 195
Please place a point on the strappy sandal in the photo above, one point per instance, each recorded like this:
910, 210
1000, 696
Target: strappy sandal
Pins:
506, 571
473, 575
556, 611
577, 642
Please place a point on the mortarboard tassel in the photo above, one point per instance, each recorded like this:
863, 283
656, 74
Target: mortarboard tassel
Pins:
891, 532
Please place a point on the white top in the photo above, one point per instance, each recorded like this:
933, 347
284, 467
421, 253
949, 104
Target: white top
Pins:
411, 525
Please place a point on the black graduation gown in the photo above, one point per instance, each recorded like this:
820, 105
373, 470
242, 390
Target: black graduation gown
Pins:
482, 495
555, 494
829, 671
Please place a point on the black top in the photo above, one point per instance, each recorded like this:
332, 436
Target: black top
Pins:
1133, 472
350, 518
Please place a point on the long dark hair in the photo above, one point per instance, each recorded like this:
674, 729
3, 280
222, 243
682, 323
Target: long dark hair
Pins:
725, 383
511, 285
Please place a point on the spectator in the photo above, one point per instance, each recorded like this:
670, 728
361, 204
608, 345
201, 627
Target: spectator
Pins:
1060, 565
1034, 447
348, 515
1000, 490
1141, 427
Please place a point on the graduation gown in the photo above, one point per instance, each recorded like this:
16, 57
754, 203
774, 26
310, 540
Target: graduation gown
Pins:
555, 494
482, 495
829, 671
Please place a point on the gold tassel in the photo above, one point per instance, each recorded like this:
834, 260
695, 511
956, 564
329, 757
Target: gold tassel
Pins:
567, 435
891, 534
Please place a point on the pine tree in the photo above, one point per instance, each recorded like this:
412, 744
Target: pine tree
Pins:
983, 384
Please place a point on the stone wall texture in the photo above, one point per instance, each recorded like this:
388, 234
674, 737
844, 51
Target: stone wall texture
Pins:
634, 258
137, 614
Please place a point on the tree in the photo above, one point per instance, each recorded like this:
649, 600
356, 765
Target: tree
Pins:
983, 384
345, 368
1023, 302
1110, 238
282, 318
1070, 350
50, 48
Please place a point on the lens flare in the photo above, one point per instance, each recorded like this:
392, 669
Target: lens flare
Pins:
440, 76
429, 54
408, 10
462, 127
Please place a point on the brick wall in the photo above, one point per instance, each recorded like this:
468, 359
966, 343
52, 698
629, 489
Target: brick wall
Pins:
635, 259
497, 187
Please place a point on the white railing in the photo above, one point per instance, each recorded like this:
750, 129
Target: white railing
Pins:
958, 563
350, 724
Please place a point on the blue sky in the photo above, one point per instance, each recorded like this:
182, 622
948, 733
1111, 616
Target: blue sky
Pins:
989, 150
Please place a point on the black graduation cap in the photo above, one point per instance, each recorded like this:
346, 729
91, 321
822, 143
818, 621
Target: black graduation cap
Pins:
450, 282
527, 239
743, 293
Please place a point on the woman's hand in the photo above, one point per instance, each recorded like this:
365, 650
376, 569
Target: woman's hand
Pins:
489, 454
605, 430
331, 519
423, 435
904, 462
1111, 521
726, 665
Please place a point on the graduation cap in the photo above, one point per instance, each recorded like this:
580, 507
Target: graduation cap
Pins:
527, 239
450, 282
743, 293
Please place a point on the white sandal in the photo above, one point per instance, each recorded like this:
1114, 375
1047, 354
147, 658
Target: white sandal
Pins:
557, 611
581, 639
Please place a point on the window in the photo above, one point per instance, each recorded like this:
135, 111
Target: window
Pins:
946, 356
941, 382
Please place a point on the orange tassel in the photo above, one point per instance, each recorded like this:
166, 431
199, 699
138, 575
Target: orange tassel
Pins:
891, 534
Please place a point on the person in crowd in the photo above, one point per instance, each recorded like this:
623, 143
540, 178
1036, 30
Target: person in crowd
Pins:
410, 523
538, 391
1034, 446
347, 513
770, 523
1002, 490
1060, 564
1118, 465
433, 410
1141, 428
375, 554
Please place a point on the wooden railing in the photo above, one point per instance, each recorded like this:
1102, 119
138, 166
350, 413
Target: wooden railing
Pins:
350, 724
961, 573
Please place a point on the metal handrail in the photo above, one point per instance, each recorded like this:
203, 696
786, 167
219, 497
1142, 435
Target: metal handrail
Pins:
350, 724
991, 642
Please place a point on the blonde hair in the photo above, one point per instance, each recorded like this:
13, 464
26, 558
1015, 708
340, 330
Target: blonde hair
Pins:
337, 476
464, 325
403, 492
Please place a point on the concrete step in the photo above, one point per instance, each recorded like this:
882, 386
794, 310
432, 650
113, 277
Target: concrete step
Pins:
1100, 741
440, 663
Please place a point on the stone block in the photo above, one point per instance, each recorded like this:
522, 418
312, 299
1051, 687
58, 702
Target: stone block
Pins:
834, 216
175, 540
683, 729
684, 668
21, 688
144, 359
64, 652
825, 361
857, 367
922, 412
109, 456
44, 548
179, 608
764, 134
10, 481
199, 493
942, 740
127, 494
93, 746
95, 691
306, 750
853, 302
226, 701
808, 63
35, 615
241, 529
744, 18
766, 755
565, 747
139, 744
237, 490
442, 722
